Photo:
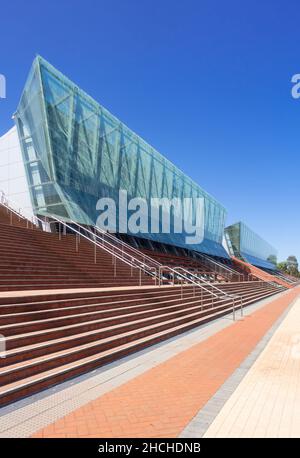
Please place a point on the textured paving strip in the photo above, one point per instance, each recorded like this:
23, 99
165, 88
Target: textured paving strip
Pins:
267, 401
163, 400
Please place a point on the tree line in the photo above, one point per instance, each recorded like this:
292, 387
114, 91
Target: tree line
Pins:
290, 266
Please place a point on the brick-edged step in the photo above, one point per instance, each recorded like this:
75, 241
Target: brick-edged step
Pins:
50, 377
106, 307
93, 305
133, 298
16, 371
41, 349
75, 319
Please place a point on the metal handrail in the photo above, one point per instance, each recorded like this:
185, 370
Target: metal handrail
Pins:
147, 268
118, 242
160, 266
143, 267
122, 253
132, 262
12, 210
210, 285
222, 266
218, 264
29, 218
213, 261
124, 244
129, 247
175, 271
234, 297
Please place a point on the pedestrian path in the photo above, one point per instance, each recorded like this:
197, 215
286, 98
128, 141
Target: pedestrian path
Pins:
267, 401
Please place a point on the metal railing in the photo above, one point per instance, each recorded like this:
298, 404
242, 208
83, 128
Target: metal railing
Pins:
30, 220
125, 253
176, 270
214, 291
219, 268
123, 247
116, 253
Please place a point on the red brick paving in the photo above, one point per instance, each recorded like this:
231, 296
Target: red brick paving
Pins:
162, 401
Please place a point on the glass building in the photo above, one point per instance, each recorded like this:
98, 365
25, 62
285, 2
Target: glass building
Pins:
245, 244
75, 152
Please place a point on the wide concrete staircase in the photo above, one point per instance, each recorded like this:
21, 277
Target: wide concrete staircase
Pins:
32, 259
50, 338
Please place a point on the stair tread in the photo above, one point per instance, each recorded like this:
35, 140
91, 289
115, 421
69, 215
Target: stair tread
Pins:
82, 362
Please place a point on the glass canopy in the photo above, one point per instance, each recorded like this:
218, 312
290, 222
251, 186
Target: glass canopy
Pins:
245, 243
75, 151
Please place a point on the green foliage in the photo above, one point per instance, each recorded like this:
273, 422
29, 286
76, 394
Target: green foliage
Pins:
282, 266
290, 266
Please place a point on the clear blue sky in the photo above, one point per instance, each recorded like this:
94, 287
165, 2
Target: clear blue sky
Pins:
205, 82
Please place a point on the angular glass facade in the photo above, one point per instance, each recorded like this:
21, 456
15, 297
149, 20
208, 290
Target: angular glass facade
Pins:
75, 152
245, 243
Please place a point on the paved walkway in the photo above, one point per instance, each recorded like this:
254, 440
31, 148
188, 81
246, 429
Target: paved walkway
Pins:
163, 400
267, 401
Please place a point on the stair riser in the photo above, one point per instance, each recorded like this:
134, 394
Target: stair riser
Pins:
65, 312
86, 295
103, 301
55, 347
25, 391
69, 358
69, 321
16, 342
57, 285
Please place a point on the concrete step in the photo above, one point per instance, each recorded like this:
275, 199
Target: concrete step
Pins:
41, 374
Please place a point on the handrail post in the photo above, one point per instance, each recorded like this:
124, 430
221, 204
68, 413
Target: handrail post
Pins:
233, 310
242, 310
95, 254
140, 281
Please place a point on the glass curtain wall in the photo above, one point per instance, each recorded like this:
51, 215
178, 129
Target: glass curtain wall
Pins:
247, 244
75, 152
